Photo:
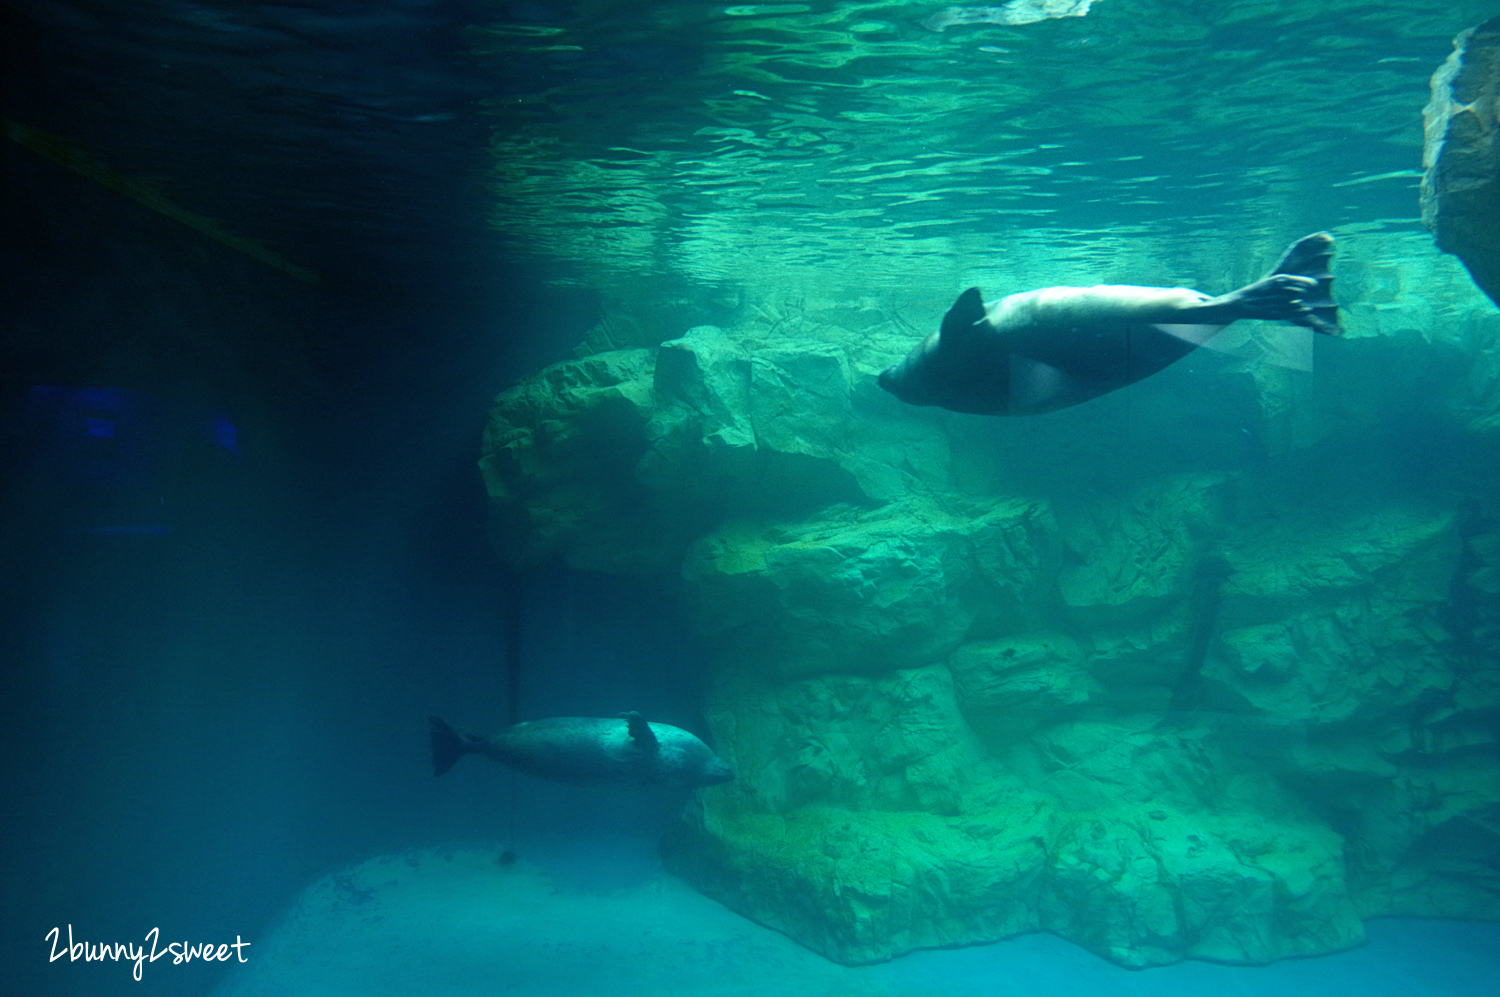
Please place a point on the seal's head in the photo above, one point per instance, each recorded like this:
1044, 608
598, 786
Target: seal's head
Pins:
949, 367
905, 380
715, 772
890, 379
680, 759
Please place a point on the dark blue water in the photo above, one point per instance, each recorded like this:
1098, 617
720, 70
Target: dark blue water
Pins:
218, 659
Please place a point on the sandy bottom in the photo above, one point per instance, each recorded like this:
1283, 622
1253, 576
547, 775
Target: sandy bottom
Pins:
583, 924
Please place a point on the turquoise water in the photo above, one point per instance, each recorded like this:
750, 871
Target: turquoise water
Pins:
788, 143
605, 921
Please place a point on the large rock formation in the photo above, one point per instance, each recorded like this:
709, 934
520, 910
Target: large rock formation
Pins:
1461, 188
1115, 673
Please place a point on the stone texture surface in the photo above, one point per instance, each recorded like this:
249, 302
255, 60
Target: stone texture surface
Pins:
1201, 670
1461, 186
865, 591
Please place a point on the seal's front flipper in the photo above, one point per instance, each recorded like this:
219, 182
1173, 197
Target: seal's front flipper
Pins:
1037, 387
641, 733
1309, 257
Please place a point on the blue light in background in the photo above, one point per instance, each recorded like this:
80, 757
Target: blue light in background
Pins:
103, 399
100, 428
107, 457
222, 432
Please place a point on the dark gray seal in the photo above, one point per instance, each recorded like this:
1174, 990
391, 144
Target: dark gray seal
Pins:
589, 751
1040, 351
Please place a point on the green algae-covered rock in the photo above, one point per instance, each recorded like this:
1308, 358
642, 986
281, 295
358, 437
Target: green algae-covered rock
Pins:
1144, 892
862, 886
1140, 887
558, 460
895, 742
1353, 618
616, 460
1009, 687
864, 591
1134, 554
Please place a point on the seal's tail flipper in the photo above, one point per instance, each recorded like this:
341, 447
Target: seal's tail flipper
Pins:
448, 745
1308, 257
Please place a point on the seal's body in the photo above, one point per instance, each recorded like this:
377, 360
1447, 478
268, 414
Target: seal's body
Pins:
589, 751
1039, 351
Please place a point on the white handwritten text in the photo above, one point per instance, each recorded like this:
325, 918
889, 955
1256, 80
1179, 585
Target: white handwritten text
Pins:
181, 952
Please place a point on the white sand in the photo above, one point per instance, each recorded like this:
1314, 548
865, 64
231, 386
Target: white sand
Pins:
588, 925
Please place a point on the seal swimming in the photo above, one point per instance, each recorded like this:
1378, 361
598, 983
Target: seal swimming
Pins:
1040, 351
589, 751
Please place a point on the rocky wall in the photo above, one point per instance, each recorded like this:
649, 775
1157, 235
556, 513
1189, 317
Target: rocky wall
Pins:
1202, 669
1461, 184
